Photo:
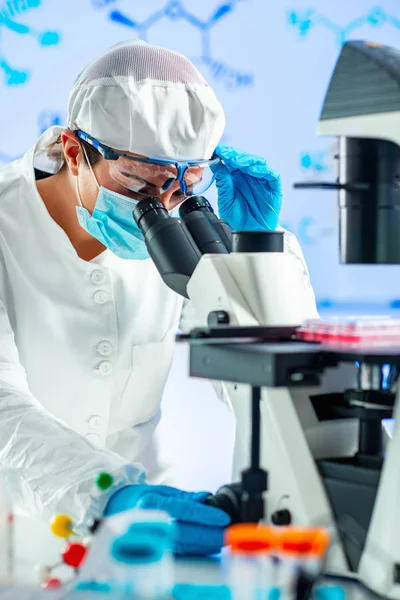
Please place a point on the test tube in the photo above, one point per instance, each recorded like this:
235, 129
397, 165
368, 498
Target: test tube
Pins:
302, 551
144, 565
312, 563
250, 568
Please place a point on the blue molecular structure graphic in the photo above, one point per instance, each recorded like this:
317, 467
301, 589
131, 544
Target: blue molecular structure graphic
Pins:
174, 10
46, 119
306, 20
313, 161
49, 118
308, 231
9, 13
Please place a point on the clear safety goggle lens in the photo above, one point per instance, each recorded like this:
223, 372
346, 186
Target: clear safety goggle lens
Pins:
155, 179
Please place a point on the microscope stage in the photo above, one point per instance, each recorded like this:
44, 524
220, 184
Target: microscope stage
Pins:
286, 364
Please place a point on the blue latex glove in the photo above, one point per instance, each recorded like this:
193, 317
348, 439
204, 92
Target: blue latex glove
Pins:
200, 527
249, 192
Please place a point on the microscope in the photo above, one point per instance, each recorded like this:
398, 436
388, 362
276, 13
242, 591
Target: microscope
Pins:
309, 445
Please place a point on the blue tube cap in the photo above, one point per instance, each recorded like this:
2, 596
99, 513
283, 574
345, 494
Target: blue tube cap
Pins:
93, 586
330, 592
201, 592
143, 543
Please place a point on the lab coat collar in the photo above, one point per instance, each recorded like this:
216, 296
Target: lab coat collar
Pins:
48, 159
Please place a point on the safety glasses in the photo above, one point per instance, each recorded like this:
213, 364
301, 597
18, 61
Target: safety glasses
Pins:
155, 176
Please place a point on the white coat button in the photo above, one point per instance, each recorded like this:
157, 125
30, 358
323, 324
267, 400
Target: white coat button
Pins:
105, 348
105, 367
100, 297
98, 276
95, 421
93, 438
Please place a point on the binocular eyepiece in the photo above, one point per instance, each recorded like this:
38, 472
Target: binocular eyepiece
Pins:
177, 244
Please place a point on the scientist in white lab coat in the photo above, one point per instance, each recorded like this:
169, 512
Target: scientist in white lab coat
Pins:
87, 325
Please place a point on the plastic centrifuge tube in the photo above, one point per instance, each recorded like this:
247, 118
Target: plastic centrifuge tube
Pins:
250, 568
302, 551
144, 564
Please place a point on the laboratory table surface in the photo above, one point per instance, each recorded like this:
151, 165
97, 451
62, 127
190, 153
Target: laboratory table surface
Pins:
35, 545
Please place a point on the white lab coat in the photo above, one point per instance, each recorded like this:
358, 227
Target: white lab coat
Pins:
85, 351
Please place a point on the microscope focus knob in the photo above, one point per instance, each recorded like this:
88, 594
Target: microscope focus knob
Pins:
228, 499
281, 517
218, 317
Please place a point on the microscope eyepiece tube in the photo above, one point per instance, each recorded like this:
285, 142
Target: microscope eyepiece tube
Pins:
169, 243
194, 212
149, 212
195, 203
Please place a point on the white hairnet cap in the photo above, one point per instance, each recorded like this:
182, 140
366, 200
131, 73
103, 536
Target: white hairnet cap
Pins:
147, 100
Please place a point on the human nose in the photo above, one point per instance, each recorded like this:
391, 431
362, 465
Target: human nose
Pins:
168, 198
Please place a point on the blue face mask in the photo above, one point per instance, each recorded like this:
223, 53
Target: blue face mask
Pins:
112, 223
